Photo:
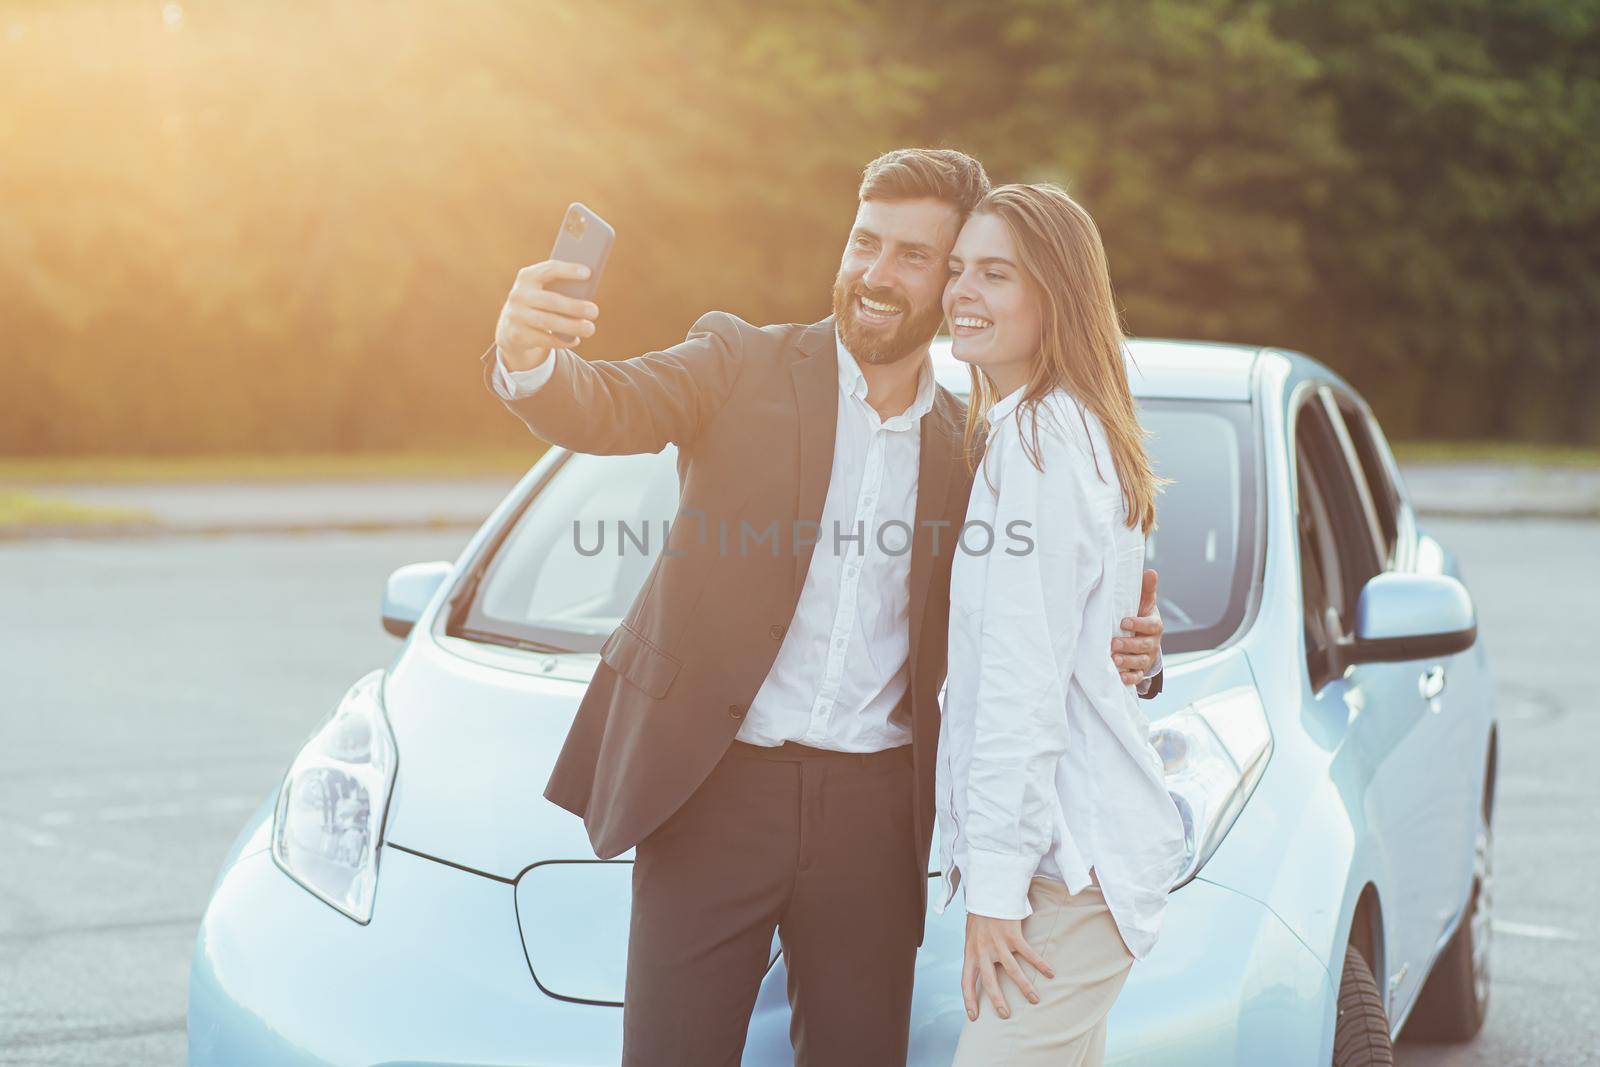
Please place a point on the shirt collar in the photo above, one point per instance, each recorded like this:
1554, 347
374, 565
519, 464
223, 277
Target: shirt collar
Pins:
1006, 404
853, 383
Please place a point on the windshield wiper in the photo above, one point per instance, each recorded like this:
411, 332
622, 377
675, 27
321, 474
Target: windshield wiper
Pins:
506, 640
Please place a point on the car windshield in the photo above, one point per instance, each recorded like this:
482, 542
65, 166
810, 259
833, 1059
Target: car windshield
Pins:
567, 570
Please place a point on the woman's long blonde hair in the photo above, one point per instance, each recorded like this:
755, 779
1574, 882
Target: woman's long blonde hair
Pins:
1080, 349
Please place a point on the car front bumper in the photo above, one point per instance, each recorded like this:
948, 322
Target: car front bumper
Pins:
439, 977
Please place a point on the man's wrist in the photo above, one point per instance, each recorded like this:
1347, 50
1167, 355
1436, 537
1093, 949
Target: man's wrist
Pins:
523, 361
516, 384
1149, 676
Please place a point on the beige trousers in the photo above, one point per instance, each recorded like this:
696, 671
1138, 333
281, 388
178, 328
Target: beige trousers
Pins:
1067, 1028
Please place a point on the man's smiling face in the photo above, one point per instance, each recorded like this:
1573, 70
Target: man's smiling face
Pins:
891, 278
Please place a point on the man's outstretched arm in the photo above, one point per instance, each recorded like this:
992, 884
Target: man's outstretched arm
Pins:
629, 406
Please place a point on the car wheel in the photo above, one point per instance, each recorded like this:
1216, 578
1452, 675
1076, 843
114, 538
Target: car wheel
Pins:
1455, 998
1361, 1035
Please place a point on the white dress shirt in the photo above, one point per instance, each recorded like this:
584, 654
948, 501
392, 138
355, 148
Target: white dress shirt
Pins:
1044, 765
844, 662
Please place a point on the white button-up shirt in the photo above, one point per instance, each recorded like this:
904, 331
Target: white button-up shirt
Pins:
844, 663
1044, 765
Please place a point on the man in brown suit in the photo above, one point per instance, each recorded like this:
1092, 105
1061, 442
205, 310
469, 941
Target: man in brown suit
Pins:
762, 726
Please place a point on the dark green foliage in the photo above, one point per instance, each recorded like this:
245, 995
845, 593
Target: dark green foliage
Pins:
289, 226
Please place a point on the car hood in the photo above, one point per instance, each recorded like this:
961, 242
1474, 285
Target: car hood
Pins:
478, 729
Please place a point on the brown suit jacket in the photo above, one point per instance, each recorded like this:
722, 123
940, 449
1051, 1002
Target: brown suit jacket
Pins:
753, 413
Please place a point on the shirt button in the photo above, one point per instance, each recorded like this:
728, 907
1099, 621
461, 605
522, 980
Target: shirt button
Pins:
775, 632
735, 711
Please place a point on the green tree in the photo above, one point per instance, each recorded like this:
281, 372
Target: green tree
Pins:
1460, 282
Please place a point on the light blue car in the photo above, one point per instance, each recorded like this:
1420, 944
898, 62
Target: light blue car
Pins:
408, 897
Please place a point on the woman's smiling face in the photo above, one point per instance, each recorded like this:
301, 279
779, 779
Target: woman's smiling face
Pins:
994, 314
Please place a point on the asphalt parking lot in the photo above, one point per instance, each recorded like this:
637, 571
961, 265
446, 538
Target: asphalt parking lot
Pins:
154, 689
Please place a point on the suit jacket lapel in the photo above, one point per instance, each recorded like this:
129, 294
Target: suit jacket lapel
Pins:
816, 393
940, 446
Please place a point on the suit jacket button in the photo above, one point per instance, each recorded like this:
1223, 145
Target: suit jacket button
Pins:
735, 711
775, 632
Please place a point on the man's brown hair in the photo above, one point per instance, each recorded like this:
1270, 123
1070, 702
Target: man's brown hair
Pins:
936, 173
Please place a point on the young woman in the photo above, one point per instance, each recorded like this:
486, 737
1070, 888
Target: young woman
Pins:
1053, 816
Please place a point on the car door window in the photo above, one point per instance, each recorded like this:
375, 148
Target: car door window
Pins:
1337, 550
1370, 448
1319, 574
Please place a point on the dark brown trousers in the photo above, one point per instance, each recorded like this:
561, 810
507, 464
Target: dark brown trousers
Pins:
811, 843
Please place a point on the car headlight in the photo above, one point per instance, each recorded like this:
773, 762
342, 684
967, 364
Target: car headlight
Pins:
1212, 754
331, 807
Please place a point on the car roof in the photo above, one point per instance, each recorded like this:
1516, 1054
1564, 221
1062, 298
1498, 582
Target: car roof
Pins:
1157, 368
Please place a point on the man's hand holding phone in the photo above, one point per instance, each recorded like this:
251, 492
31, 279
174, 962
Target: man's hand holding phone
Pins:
552, 303
536, 319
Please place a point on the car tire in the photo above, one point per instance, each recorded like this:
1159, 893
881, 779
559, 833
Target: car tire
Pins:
1361, 1034
1455, 998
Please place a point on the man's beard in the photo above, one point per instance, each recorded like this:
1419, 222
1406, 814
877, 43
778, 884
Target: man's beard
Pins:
872, 344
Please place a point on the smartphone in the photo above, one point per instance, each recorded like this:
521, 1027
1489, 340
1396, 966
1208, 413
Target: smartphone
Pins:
584, 238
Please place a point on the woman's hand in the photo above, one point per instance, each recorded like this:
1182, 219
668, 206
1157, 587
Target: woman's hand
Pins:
995, 943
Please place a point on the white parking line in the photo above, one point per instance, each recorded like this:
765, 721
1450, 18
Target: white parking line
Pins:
1544, 933
135, 783
166, 809
37, 838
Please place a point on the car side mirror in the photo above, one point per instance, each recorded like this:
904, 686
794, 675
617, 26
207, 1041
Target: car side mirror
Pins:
408, 592
1411, 616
